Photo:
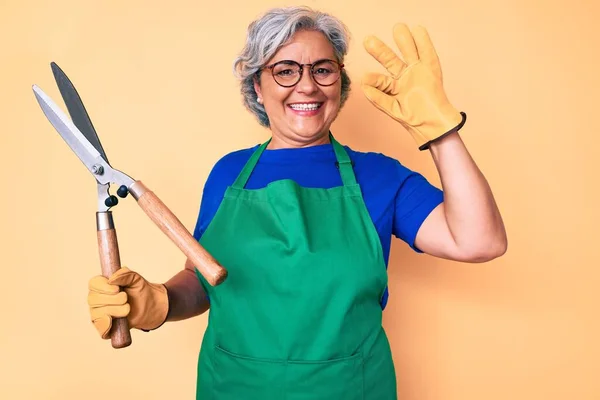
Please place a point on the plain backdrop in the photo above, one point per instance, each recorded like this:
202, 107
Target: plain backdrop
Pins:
156, 79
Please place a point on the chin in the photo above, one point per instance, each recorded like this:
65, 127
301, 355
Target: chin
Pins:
310, 129
310, 133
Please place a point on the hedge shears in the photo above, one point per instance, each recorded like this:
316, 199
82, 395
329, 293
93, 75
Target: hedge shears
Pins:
79, 133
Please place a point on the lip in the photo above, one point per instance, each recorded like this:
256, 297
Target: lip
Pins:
306, 113
306, 102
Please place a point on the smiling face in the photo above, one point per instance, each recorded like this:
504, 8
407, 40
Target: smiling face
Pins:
300, 115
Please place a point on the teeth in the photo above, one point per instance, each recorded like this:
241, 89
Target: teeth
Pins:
305, 107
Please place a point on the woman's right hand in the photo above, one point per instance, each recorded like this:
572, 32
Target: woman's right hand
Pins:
144, 304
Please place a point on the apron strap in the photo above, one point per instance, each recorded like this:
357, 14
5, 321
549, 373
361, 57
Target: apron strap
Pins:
243, 177
343, 163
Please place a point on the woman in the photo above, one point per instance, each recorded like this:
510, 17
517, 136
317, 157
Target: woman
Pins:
304, 224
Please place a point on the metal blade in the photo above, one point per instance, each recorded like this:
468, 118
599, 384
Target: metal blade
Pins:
87, 153
76, 108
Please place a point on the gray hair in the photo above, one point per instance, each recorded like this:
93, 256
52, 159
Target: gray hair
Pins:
270, 32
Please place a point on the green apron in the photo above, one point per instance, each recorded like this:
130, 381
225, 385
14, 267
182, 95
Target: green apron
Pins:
299, 316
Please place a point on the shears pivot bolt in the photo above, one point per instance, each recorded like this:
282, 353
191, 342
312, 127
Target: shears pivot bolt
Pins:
97, 169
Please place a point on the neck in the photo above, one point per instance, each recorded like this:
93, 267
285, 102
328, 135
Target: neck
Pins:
282, 142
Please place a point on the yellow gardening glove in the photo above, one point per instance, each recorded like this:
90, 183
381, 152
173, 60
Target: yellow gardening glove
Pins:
144, 304
413, 94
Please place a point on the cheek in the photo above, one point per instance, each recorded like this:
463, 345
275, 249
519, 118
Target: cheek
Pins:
273, 90
333, 93
275, 97
334, 97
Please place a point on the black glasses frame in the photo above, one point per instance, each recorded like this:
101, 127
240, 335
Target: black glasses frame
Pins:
301, 71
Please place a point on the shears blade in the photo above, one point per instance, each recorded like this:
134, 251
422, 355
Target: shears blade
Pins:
154, 208
76, 109
86, 152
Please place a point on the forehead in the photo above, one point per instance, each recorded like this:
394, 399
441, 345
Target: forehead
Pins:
305, 47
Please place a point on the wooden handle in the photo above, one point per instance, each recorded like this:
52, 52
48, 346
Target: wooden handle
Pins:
110, 261
168, 223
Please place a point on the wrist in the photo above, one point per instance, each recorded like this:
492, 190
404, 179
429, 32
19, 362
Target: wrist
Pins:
443, 140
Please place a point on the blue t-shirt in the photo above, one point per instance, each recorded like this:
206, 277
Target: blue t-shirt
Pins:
397, 198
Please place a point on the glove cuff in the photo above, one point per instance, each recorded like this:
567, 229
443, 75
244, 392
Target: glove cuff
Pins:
425, 146
166, 317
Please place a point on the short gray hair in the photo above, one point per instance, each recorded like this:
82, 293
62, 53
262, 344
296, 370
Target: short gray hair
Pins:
271, 31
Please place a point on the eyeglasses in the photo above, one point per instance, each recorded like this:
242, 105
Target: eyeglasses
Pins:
288, 73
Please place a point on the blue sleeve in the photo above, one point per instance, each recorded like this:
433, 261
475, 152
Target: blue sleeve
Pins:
210, 201
212, 194
204, 216
415, 200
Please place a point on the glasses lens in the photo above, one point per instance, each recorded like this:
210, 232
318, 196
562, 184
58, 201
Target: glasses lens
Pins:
286, 73
326, 72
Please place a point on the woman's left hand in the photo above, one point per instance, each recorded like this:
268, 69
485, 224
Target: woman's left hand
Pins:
414, 94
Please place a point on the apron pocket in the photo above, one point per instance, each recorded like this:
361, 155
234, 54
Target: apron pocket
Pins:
238, 377
325, 380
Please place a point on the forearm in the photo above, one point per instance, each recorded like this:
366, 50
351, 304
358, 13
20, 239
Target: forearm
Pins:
187, 298
470, 209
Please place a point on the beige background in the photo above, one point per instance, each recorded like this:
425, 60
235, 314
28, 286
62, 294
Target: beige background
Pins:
156, 79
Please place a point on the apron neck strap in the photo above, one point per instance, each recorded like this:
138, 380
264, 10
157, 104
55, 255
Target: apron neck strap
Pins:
242, 178
343, 163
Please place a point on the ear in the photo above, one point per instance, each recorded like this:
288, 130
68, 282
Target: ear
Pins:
257, 87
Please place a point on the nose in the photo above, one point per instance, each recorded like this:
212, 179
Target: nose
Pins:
307, 84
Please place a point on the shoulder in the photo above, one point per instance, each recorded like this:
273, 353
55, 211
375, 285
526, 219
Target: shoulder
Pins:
373, 164
370, 157
383, 176
228, 167
233, 159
